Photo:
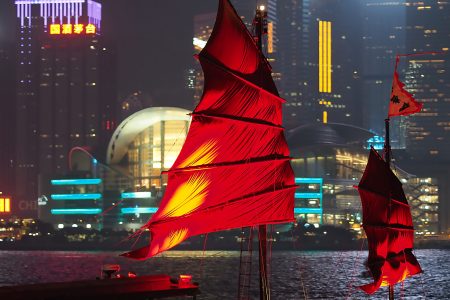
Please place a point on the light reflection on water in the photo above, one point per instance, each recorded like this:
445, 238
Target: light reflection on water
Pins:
316, 274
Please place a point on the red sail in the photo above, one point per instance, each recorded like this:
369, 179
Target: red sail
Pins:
388, 225
234, 168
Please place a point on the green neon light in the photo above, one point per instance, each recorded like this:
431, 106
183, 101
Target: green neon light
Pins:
136, 195
95, 196
87, 181
76, 211
139, 210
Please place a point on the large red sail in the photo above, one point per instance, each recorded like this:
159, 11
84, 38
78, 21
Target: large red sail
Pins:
234, 168
388, 225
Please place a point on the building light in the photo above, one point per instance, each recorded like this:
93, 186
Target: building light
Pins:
324, 57
136, 195
138, 210
93, 196
76, 211
91, 29
325, 117
270, 37
67, 29
55, 29
78, 28
87, 181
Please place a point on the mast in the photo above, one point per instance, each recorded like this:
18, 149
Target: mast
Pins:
264, 289
387, 157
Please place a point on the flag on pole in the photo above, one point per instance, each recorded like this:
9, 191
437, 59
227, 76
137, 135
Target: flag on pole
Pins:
401, 103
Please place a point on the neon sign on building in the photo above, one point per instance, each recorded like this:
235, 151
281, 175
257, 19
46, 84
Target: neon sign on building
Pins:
65, 29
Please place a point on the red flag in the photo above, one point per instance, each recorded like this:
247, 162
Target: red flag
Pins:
401, 102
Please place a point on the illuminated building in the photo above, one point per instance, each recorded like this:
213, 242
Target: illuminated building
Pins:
426, 77
331, 159
125, 190
423, 197
7, 94
319, 61
383, 37
66, 89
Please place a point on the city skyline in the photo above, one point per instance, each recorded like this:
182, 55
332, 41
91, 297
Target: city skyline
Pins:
154, 58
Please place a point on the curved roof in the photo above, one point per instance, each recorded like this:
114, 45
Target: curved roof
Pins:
330, 134
127, 131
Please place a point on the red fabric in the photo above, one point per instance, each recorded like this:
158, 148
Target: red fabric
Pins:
234, 168
388, 225
401, 103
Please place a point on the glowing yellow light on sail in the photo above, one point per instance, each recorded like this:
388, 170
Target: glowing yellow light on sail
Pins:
204, 155
173, 239
188, 197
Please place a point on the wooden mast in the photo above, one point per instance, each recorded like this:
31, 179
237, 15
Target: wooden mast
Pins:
387, 157
264, 289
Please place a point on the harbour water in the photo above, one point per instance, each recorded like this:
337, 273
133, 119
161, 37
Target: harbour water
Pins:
294, 275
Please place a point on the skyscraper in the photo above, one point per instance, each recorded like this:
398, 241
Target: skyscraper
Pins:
383, 37
319, 61
427, 77
7, 91
65, 89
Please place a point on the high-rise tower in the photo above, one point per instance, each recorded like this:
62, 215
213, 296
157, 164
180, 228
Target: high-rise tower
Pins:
65, 89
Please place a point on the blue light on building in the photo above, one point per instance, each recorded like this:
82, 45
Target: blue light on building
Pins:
137, 195
139, 210
94, 196
87, 181
316, 195
377, 142
76, 211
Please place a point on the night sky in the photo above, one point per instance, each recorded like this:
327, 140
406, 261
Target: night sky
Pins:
153, 40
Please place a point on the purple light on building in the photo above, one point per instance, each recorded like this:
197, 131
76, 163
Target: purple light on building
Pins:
66, 11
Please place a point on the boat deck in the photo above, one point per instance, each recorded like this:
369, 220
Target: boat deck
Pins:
142, 287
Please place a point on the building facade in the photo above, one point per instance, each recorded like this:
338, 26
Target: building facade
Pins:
124, 191
65, 89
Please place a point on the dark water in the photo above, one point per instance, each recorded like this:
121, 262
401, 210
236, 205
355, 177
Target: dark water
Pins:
294, 275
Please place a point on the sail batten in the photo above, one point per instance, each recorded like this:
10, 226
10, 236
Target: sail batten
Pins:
231, 202
388, 224
206, 60
255, 160
234, 168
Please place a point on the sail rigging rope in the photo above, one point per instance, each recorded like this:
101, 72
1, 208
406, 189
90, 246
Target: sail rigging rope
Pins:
203, 257
294, 243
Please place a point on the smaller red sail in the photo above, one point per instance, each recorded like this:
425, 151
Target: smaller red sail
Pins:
401, 103
388, 225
